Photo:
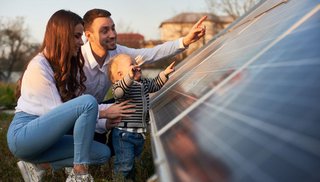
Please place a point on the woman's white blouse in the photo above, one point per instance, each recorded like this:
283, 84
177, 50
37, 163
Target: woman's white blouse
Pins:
39, 93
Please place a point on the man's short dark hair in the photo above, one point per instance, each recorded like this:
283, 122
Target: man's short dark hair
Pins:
92, 14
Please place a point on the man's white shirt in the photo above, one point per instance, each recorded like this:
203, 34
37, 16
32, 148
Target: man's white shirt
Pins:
98, 83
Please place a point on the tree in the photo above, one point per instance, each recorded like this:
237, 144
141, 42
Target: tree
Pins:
232, 8
16, 49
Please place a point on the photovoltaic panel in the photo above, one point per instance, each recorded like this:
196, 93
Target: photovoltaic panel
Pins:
246, 106
239, 48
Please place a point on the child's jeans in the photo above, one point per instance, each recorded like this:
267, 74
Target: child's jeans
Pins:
127, 146
43, 139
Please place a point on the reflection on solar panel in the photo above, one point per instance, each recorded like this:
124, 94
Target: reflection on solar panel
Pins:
246, 107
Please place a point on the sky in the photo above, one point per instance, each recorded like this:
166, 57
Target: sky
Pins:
138, 16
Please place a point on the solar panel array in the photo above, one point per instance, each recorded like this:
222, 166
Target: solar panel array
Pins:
245, 107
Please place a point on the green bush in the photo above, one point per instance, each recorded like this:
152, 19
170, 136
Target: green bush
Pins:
7, 96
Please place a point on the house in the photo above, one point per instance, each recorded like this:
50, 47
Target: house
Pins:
181, 24
133, 40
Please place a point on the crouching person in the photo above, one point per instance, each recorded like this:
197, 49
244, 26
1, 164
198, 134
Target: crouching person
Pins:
51, 103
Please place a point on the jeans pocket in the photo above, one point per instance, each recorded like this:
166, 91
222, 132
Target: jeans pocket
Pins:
127, 136
123, 135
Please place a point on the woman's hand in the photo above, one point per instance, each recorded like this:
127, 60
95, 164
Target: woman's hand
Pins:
111, 123
117, 110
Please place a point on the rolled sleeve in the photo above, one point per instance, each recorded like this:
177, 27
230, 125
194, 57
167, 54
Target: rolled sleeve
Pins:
181, 46
101, 123
101, 126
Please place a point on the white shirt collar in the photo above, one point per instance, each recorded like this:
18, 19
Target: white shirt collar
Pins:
87, 54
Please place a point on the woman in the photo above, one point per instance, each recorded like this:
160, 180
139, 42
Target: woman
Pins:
51, 103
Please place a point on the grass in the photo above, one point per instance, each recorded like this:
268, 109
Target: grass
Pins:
10, 172
8, 169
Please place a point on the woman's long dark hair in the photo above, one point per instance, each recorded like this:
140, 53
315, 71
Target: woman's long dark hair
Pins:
58, 46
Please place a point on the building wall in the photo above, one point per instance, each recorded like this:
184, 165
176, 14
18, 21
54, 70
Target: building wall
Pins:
172, 31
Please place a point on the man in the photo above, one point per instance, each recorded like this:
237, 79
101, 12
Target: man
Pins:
102, 45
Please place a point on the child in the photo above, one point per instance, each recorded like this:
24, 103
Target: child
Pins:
128, 137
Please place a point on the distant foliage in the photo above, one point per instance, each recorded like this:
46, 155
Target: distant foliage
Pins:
16, 47
7, 96
232, 8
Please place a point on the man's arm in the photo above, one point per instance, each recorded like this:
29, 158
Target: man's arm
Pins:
197, 31
169, 48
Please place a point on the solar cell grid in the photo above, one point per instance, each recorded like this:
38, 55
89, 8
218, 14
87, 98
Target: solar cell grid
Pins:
250, 110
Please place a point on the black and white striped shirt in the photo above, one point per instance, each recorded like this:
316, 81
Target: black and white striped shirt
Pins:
138, 93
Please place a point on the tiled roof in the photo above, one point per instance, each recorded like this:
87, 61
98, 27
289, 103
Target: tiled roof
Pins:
130, 36
133, 40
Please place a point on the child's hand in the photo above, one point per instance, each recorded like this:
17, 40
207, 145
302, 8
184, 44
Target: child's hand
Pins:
133, 71
169, 69
139, 60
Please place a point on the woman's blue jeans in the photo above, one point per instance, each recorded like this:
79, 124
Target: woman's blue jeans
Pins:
44, 139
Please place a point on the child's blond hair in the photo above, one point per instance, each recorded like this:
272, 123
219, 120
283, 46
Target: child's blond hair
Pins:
113, 65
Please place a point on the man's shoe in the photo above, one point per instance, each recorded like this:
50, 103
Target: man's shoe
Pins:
30, 172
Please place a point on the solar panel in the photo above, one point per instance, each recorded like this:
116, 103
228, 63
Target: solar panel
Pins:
246, 106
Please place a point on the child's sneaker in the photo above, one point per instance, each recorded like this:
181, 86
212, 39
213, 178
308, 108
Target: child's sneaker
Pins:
79, 177
30, 172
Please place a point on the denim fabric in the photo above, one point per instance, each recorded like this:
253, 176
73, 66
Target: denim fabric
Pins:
43, 139
127, 146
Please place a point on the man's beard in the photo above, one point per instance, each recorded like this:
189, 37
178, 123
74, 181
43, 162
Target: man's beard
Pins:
113, 47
